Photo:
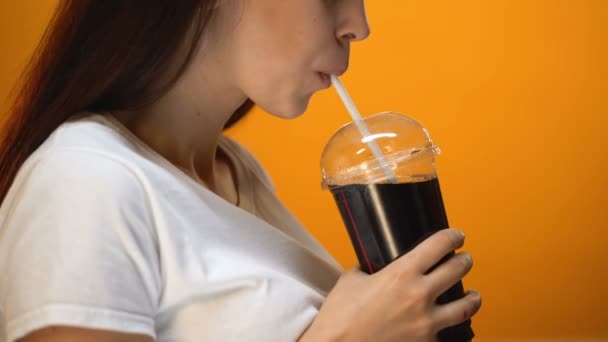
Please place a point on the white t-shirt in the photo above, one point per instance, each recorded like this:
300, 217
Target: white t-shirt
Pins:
100, 231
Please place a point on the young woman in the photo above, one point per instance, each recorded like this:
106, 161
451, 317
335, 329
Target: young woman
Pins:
126, 214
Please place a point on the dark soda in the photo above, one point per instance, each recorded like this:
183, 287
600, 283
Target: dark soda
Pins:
385, 221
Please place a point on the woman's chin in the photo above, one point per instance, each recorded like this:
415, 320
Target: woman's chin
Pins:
289, 109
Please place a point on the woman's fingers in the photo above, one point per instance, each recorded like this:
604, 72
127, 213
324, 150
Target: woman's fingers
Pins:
449, 273
458, 311
430, 251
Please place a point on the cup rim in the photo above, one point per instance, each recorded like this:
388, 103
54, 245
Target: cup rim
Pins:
391, 158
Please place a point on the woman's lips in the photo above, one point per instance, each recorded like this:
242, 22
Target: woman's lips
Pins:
325, 79
324, 75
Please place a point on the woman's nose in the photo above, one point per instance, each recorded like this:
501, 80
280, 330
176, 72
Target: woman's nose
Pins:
352, 24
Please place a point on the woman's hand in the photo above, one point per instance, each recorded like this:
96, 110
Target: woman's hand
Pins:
398, 302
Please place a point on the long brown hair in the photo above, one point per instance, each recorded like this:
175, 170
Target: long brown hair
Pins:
100, 55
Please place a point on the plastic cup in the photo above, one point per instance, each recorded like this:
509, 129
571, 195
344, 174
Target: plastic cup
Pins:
389, 205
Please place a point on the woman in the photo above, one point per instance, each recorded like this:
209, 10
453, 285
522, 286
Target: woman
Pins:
128, 216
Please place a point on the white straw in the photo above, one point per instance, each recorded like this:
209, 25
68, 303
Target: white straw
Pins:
356, 116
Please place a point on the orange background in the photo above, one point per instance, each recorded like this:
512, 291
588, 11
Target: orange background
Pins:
514, 92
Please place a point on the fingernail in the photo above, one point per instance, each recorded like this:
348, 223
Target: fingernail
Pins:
459, 232
473, 292
468, 258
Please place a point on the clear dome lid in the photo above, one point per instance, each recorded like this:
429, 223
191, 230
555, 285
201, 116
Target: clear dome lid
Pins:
405, 144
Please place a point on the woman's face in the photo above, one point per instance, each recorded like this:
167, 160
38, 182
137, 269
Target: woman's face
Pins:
279, 52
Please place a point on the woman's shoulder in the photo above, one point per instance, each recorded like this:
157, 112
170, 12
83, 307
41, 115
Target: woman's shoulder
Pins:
93, 132
79, 145
60, 176
83, 160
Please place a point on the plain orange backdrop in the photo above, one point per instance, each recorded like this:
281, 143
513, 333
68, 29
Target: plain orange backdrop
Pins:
514, 92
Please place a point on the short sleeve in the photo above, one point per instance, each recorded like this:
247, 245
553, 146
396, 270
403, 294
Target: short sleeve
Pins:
78, 247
